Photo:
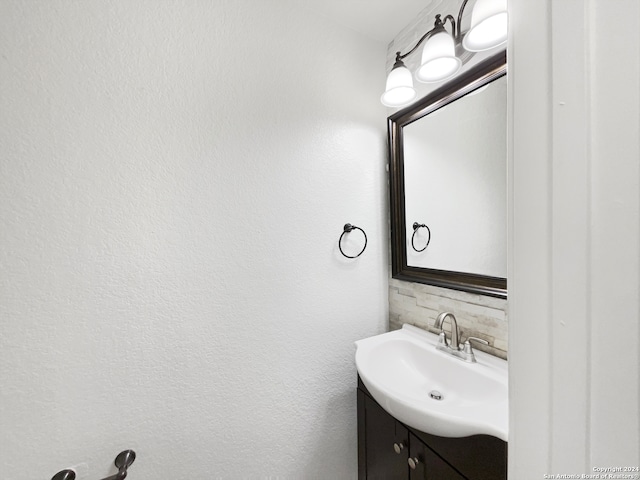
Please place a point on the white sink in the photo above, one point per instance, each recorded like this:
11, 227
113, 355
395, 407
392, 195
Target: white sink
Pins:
401, 369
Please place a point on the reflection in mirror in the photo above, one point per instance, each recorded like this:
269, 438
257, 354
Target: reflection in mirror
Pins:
455, 183
448, 184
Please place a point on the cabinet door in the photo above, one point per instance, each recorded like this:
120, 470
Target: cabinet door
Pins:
383, 435
427, 464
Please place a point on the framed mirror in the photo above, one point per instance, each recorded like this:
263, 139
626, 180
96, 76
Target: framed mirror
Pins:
448, 184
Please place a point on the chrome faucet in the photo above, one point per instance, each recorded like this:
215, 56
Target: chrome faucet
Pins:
453, 347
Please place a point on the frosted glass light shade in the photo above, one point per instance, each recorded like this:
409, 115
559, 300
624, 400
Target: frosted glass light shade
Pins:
399, 90
439, 60
488, 26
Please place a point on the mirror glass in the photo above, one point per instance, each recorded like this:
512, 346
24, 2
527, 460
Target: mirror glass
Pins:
448, 179
456, 183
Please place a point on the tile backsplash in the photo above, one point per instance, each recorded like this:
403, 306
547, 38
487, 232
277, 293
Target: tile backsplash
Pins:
477, 315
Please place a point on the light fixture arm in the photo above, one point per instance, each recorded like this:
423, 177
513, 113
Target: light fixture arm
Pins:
459, 32
454, 27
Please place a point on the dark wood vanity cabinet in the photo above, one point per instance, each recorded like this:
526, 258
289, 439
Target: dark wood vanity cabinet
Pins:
389, 450
386, 443
427, 463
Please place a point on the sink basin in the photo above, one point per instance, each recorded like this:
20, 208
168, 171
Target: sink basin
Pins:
431, 390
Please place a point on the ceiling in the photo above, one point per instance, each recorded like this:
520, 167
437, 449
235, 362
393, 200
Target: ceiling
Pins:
380, 20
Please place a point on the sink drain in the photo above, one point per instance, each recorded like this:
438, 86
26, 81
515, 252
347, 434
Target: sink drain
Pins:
436, 395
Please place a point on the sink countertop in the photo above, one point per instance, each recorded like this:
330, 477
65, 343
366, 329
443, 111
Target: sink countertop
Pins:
402, 368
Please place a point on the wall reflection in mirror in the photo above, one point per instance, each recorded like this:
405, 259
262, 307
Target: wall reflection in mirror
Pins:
448, 179
455, 183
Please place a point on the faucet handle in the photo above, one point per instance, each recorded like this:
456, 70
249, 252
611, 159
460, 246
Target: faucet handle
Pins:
467, 344
476, 339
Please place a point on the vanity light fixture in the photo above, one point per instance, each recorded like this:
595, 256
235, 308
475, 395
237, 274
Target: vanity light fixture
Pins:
488, 29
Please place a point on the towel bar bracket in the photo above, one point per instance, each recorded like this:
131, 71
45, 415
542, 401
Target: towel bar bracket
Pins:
122, 461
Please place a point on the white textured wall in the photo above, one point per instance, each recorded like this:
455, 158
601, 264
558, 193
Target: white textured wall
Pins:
174, 177
574, 269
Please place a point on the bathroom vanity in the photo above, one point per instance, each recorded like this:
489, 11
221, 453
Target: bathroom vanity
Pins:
389, 449
425, 412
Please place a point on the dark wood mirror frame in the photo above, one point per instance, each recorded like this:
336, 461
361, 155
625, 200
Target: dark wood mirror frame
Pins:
476, 77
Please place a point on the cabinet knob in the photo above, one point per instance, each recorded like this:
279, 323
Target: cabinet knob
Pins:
413, 463
398, 447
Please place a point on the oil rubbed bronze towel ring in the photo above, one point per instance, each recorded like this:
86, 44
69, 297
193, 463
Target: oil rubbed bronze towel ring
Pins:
417, 226
348, 228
